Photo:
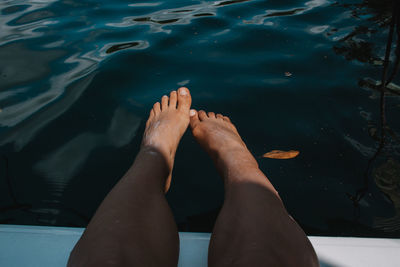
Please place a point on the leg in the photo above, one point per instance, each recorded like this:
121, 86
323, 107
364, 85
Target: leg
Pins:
253, 227
134, 225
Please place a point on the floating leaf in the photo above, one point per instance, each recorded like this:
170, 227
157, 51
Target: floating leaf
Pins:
279, 154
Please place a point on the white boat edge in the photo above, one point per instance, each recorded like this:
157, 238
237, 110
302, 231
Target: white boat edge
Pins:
42, 246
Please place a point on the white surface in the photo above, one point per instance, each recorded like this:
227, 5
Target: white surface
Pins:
31, 246
350, 251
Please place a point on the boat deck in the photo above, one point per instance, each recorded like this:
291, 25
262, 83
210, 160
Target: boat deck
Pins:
41, 246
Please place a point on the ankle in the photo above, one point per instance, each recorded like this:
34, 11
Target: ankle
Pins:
156, 153
160, 149
151, 150
236, 160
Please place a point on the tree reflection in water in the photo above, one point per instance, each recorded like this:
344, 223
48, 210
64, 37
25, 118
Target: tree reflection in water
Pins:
386, 175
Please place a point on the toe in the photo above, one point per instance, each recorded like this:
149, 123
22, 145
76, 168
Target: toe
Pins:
157, 108
227, 119
184, 99
172, 99
194, 118
151, 114
219, 116
202, 115
164, 102
211, 115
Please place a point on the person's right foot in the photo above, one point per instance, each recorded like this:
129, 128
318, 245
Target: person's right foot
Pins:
166, 124
220, 138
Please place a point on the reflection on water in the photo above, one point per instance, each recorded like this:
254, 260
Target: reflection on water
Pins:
357, 47
305, 7
60, 166
28, 67
26, 130
387, 178
77, 79
117, 47
179, 16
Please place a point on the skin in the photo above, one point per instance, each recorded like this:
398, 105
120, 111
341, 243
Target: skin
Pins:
134, 225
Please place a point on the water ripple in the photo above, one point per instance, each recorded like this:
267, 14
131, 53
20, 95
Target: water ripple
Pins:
77, 79
271, 13
22, 21
25, 31
176, 16
130, 45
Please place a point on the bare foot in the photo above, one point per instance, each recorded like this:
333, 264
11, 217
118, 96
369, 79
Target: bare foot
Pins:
220, 138
252, 212
166, 124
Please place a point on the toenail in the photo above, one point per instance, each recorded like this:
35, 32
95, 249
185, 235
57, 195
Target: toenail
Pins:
192, 112
183, 91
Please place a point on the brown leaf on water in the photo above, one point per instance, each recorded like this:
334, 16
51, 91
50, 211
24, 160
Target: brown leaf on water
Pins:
279, 154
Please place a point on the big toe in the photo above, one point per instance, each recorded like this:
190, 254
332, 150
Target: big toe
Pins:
184, 99
194, 118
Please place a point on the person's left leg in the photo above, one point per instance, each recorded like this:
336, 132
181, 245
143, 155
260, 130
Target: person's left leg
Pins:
134, 225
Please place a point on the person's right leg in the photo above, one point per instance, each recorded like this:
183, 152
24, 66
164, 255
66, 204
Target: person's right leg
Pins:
253, 227
134, 225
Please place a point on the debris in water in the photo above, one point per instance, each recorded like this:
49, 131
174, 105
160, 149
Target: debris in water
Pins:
279, 154
372, 131
288, 74
370, 83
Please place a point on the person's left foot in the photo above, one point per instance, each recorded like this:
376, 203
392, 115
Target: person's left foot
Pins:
166, 124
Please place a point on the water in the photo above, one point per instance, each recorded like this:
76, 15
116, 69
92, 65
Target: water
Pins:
77, 79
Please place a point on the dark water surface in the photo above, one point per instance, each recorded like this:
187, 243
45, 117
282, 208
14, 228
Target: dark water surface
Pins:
77, 79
